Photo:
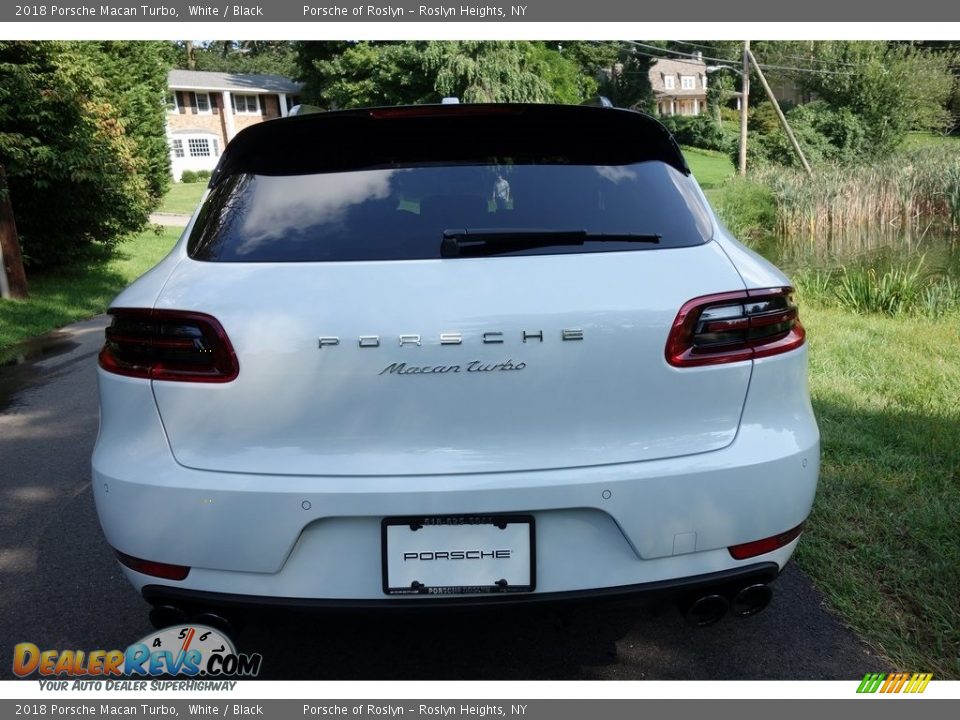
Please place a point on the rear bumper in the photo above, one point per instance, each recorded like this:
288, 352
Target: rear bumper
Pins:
599, 529
725, 581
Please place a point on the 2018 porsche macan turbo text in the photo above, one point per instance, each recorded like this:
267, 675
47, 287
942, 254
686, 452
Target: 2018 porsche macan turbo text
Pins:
458, 354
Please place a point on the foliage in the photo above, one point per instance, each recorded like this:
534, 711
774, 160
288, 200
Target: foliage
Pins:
747, 208
569, 83
700, 131
188, 176
629, 85
135, 75
267, 57
483, 71
341, 75
892, 87
826, 134
78, 181
907, 192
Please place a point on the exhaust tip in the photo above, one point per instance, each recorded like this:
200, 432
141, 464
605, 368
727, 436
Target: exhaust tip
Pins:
751, 600
706, 610
163, 616
216, 621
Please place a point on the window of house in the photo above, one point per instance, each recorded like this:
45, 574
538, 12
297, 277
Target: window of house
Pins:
688, 82
703, 81
177, 146
668, 82
246, 104
199, 147
203, 103
171, 102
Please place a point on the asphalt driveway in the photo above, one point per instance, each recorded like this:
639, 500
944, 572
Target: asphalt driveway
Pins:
60, 586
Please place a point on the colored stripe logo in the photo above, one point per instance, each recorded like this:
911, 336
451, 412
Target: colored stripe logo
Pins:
894, 682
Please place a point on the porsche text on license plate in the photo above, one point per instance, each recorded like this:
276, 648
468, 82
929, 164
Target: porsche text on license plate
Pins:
458, 555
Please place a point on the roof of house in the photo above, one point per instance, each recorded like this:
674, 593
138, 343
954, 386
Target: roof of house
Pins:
205, 80
676, 67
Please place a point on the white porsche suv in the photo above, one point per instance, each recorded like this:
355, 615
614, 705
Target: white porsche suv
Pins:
456, 354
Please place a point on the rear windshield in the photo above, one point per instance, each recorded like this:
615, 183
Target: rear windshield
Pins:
403, 213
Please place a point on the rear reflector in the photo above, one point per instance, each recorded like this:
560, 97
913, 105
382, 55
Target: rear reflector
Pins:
734, 326
156, 569
760, 547
168, 345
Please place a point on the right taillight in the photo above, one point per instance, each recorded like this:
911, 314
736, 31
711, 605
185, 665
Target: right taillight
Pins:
168, 345
734, 326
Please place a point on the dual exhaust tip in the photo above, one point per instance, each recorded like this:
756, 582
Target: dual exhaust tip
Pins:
711, 606
162, 616
699, 610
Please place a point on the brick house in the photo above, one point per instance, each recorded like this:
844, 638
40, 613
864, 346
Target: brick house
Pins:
206, 109
679, 86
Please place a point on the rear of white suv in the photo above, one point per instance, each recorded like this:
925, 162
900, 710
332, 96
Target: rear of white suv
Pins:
453, 355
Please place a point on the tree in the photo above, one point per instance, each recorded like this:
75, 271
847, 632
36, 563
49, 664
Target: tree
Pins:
390, 73
629, 82
135, 75
75, 176
265, 57
891, 87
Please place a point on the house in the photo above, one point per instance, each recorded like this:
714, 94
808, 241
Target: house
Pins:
679, 86
206, 109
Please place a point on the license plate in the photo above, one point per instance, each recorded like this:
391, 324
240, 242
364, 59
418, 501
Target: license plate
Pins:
458, 555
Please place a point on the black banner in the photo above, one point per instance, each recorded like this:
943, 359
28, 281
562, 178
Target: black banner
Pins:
317, 11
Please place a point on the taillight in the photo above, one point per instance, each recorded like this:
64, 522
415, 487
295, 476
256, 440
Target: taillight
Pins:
733, 326
761, 547
156, 569
168, 345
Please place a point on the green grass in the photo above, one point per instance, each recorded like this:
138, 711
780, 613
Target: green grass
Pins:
925, 139
883, 543
69, 295
183, 198
711, 169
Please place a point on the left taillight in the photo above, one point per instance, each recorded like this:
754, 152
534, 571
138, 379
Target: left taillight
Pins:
168, 345
733, 326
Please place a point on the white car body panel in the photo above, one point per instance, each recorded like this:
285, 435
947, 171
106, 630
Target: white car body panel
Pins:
275, 484
609, 398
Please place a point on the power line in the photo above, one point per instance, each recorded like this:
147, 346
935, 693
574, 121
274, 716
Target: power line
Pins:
764, 66
788, 57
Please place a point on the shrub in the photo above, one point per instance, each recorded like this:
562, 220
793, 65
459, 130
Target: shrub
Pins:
189, 176
699, 131
747, 208
203, 175
77, 180
825, 134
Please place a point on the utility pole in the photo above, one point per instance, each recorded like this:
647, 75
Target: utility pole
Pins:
13, 280
744, 101
783, 118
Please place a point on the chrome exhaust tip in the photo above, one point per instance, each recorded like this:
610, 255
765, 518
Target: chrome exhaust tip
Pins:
751, 599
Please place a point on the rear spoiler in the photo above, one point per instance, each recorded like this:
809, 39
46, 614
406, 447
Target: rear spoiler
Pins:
464, 134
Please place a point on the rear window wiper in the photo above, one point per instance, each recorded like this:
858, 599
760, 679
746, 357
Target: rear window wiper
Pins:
472, 242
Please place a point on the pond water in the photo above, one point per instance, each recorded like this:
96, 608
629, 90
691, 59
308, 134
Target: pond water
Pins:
938, 249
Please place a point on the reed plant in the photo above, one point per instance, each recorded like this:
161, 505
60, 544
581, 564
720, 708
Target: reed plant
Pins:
907, 288
907, 193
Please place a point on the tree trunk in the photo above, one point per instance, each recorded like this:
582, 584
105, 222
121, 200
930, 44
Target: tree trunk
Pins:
12, 261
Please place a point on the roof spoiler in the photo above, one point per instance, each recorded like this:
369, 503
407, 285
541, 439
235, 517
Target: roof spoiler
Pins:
395, 137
